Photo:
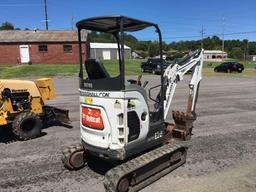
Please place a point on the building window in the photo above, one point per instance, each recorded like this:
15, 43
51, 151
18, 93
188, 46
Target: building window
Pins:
43, 48
67, 48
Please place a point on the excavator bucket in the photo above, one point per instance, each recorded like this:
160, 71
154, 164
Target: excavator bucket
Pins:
183, 125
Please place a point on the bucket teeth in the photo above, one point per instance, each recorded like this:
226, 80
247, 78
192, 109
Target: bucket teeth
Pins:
177, 115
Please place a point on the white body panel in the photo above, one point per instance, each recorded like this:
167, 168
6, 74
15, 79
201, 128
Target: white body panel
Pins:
115, 133
140, 107
108, 137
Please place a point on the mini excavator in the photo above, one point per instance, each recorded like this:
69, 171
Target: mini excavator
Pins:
117, 123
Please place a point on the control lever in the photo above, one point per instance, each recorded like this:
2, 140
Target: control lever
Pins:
145, 84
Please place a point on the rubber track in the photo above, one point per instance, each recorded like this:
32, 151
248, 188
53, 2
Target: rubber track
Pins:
113, 176
67, 153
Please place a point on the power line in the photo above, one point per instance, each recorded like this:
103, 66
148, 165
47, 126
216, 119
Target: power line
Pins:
200, 36
216, 34
20, 5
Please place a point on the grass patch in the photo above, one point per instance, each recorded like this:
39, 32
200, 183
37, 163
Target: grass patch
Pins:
132, 67
40, 70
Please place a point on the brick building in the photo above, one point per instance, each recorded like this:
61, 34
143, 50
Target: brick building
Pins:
39, 47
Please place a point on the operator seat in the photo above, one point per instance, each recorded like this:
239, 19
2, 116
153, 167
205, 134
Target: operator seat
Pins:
95, 69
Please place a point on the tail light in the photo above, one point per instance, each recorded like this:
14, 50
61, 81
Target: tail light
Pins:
92, 118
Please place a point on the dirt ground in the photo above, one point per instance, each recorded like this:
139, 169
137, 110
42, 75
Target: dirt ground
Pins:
221, 155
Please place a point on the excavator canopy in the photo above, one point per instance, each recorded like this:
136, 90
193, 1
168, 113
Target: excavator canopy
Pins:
111, 24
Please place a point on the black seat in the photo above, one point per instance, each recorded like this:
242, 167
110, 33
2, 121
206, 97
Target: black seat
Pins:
95, 69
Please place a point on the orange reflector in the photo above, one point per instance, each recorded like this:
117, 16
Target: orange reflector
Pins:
92, 118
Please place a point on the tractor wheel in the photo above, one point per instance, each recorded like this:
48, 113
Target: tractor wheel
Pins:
27, 125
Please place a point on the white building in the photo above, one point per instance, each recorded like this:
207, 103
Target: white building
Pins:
252, 57
214, 55
107, 51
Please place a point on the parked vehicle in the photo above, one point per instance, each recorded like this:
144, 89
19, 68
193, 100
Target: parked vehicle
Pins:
153, 66
229, 67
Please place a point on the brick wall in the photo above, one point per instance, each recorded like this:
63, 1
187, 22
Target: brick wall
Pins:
10, 54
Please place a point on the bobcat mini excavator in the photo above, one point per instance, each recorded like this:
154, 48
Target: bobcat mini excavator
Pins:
117, 123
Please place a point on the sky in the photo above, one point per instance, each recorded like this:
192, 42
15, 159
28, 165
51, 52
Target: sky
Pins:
178, 19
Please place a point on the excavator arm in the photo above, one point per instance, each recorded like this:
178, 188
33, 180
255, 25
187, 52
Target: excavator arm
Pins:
174, 73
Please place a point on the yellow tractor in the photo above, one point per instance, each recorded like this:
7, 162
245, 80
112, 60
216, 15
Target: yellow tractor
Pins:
22, 104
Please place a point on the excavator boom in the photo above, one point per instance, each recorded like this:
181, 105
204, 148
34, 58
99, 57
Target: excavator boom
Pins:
175, 73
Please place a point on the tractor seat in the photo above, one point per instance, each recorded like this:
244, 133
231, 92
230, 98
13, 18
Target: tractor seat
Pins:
95, 69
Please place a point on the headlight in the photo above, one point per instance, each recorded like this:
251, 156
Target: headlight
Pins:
158, 66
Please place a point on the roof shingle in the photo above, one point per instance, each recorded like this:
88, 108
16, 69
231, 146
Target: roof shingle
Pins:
22, 36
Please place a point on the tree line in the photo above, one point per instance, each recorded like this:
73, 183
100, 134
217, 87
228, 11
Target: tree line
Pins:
237, 49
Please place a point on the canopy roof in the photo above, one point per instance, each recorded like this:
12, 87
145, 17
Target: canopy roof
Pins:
110, 24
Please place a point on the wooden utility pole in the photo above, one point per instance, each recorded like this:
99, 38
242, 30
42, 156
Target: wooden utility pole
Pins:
246, 54
72, 22
223, 38
202, 37
46, 16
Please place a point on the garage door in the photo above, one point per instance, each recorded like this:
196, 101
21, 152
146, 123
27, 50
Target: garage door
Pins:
106, 55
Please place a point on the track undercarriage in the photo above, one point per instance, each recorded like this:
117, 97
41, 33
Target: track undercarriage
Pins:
134, 174
142, 170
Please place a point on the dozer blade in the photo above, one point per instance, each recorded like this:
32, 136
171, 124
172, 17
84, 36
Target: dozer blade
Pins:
143, 170
54, 113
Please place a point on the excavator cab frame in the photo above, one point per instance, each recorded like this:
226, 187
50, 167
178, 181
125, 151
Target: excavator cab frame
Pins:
117, 26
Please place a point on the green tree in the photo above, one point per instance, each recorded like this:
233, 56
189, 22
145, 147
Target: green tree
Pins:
153, 49
236, 53
7, 26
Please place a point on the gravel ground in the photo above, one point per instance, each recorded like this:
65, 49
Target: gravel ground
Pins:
221, 155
